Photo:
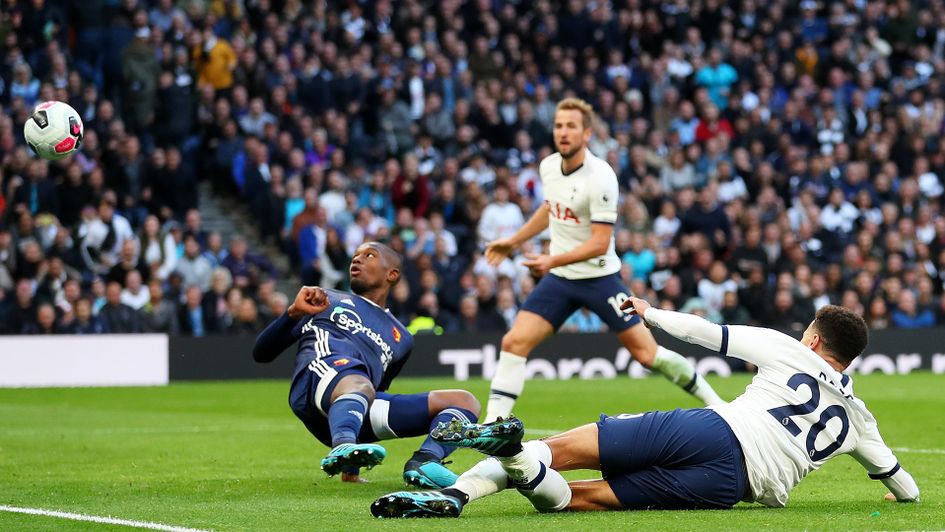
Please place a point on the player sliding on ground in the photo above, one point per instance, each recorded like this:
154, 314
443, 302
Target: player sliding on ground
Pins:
350, 348
582, 270
798, 412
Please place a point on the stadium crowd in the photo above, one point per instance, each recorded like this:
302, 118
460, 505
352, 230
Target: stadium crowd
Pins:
773, 156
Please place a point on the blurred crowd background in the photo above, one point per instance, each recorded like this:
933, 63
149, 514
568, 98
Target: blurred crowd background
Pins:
773, 156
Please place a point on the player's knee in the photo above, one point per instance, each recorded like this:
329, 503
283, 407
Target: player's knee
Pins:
645, 357
466, 401
517, 341
354, 384
440, 400
641, 344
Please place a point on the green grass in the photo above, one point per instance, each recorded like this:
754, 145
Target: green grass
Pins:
231, 456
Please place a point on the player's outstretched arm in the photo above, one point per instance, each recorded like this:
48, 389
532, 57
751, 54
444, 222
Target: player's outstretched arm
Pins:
881, 464
499, 250
739, 341
279, 335
687, 327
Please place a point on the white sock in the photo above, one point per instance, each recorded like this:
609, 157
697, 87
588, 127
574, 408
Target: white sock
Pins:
677, 369
540, 449
507, 385
483, 479
544, 487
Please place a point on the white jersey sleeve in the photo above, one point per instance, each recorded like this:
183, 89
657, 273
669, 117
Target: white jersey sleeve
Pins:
797, 413
881, 464
602, 194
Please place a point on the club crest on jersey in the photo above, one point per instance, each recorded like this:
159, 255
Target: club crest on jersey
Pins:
341, 362
561, 214
396, 334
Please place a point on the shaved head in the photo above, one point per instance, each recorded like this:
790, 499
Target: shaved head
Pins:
392, 259
374, 264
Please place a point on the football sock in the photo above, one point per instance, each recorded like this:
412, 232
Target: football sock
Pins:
438, 450
540, 450
485, 478
507, 385
677, 369
345, 418
544, 487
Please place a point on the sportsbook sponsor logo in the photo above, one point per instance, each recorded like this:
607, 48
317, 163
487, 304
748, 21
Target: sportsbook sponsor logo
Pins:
349, 320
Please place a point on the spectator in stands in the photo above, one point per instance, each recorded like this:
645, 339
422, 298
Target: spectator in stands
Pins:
45, 322
214, 303
472, 319
714, 288
718, 77
84, 322
190, 316
21, 313
641, 259
775, 120
214, 60
247, 320
127, 262
247, 269
158, 251
159, 314
708, 218
500, 219
117, 317
135, 294
38, 193
583, 321
908, 315
410, 189
194, 269
732, 311
275, 307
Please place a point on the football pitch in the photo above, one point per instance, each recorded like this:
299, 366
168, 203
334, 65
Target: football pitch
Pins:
231, 456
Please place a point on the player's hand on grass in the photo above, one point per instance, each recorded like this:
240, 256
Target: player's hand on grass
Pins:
499, 250
892, 498
309, 300
538, 264
635, 305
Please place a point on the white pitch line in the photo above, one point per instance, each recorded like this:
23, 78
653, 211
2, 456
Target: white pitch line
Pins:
918, 451
542, 432
107, 431
98, 519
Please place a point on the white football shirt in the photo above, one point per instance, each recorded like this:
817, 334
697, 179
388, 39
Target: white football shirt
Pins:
797, 413
584, 196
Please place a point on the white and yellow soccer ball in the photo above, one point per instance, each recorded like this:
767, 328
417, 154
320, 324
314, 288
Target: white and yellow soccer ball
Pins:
54, 130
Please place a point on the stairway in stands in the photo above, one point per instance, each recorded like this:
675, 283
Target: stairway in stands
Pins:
229, 216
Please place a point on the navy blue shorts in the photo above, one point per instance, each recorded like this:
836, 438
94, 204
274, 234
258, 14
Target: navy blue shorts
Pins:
390, 416
556, 298
684, 459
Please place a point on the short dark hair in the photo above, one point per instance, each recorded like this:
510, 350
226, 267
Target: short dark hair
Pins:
843, 332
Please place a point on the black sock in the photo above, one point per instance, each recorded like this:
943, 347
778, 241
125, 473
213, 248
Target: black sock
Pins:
453, 492
422, 457
508, 450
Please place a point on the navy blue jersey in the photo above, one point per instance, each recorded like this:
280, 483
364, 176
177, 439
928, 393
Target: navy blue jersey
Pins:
351, 327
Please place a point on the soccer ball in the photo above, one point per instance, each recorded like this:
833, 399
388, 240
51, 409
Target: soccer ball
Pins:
54, 130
